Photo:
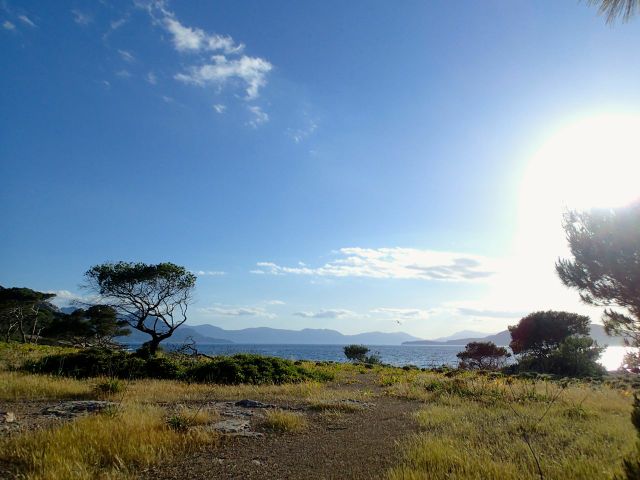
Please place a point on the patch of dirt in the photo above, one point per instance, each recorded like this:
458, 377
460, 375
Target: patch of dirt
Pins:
337, 445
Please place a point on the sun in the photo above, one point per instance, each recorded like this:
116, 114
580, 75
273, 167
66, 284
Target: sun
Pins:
593, 162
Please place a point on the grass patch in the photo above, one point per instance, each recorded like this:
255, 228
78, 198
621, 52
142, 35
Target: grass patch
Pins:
478, 430
284, 421
100, 446
15, 386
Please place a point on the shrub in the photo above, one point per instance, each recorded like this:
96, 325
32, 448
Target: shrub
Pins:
91, 363
574, 357
483, 355
356, 353
247, 368
372, 360
109, 386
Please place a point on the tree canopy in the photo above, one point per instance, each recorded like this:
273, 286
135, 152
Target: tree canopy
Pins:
605, 268
151, 298
483, 355
614, 9
541, 332
24, 313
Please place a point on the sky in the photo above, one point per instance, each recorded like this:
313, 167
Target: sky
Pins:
358, 166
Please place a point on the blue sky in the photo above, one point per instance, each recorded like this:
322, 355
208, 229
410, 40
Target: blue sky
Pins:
348, 165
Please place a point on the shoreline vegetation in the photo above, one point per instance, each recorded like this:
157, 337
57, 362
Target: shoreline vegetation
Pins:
450, 423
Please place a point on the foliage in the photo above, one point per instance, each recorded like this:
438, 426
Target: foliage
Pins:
574, 357
605, 245
356, 353
247, 368
96, 326
152, 298
613, 9
483, 355
24, 313
539, 333
372, 360
109, 386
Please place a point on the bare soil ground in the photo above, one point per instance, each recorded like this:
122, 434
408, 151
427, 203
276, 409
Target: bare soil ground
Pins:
337, 445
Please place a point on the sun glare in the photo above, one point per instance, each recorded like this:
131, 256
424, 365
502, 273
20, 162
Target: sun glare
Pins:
594, 162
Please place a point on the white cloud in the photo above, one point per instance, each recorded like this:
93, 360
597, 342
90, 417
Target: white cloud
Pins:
167, 99
219, 108
252, 71
209, 273
331, 313
401, 263
188, 39
403, 313
26, 20
151, 78
116, 24
227, 311
276, 302
300, 134
7, 25
123, 74
259, 116
81, 18
127, 56
65, 298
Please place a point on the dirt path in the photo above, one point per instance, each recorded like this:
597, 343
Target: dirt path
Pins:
357, 445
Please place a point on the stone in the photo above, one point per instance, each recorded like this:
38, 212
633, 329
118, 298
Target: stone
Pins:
246, 403
232, 425
77, 407
7, 417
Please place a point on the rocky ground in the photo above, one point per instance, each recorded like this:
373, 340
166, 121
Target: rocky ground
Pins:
350, 439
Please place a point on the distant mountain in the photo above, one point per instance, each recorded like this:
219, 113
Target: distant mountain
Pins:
462, 334
265, 335
503, 338
181, 335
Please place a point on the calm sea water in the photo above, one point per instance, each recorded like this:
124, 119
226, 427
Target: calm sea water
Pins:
419, 355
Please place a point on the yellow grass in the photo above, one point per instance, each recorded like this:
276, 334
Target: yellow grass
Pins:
100, 446
284, 421
480, 433
16, 386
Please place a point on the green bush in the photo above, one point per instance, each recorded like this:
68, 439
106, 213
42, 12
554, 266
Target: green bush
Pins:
247, 368
356, 353
91, 363
109, 386
574, 357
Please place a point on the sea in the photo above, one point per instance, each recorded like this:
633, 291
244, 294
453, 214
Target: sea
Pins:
428, 356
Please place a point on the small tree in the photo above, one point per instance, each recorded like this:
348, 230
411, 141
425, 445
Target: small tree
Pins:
539, 333
151, 298
555, 342
24, 313
97, 326
356, 353
605, 268
483, 356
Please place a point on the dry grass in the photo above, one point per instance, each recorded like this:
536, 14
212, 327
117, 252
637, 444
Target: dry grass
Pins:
284, 421
16, 386
100, 446
476, 429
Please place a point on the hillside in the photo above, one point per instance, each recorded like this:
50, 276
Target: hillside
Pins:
503, 338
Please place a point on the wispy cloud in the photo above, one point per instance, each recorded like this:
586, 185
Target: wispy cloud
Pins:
26, 20
220, 108
327, 314
127, 56
151, 78
400, 263
7, 25
300, 134
190, 39
209, 273
123, 74
230, 311
81, 18
251, 71
65, 298
275, 302
258, 116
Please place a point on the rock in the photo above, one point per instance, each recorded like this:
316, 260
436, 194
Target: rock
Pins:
7, 417
78, 407
246, 403
232, 425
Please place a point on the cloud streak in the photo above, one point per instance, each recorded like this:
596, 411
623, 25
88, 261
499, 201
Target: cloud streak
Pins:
393, 263
327, 314
228, 311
